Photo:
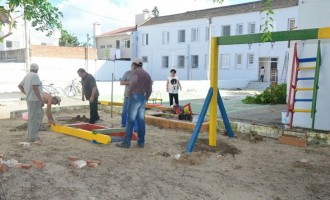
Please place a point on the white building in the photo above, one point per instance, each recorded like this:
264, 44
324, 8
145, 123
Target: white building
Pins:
181, 41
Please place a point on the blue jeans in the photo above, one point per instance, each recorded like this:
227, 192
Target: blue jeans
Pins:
124, 115
136, 110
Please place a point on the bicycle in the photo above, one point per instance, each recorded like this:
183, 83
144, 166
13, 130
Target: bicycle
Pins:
73, 89
54, 91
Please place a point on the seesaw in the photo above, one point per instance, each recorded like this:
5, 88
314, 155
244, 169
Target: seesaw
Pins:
92, 132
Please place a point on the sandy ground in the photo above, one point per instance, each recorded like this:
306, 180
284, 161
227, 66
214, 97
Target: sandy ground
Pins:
244, 167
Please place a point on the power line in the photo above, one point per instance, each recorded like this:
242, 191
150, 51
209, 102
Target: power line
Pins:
86, 11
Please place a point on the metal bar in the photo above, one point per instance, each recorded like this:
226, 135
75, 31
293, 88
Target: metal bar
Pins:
224, 116
200, 120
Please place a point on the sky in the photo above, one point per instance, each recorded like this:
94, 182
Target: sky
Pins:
79, 15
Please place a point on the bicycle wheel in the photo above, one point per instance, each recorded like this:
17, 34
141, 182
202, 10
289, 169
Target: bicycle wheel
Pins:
59, 92
70, 91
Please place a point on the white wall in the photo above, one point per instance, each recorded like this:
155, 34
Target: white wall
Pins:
314, 14
155, 50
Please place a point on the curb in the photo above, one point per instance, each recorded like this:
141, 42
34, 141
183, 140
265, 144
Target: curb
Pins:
312, 137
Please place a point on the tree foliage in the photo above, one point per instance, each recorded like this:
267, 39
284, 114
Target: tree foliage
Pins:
155, 12
42, 15
68, 40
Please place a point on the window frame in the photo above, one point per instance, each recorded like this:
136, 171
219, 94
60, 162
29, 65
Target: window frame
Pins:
194, 34
238, 28
165, 62
237, 64
181, 36
145, 39
225, 28
225, 61
289, 24
250, 64
250, 28
165, 37
180, 61
194, 61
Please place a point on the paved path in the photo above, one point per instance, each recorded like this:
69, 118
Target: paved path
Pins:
236, 110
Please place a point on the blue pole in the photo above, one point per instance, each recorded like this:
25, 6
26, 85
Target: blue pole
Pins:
224, 116
200, 120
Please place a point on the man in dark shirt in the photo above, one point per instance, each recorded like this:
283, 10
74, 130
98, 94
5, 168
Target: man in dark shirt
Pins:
139, 91
91, 93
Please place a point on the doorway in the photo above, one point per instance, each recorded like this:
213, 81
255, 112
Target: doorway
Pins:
271, 69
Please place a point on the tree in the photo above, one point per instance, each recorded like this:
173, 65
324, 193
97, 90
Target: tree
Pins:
68, 40
155, 12
42, 15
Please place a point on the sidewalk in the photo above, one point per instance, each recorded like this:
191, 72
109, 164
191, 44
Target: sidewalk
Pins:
236, 110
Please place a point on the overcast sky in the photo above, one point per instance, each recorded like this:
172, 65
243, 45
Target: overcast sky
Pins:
79, 15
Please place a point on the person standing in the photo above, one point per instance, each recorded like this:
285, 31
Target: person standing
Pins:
90, 91
172, 87
31, 86
139, 91
125, 80
262, 73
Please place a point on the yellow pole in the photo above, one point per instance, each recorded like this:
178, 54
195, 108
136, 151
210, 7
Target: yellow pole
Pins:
214, 85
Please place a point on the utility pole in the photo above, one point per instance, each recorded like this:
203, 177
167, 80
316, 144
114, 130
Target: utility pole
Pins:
87, 46
27, 47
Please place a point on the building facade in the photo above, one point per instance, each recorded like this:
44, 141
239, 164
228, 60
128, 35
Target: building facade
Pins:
182, 41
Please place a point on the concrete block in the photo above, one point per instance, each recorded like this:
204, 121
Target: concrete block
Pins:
266, 131
295, 133
243, 127
292, 140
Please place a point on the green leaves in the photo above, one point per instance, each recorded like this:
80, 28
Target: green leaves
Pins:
68, 40
42, 15
267, 27
272, 95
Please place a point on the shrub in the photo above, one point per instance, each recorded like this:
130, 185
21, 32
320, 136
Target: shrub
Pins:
272, 95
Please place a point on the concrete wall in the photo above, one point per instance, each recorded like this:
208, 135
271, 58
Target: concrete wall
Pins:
314, 14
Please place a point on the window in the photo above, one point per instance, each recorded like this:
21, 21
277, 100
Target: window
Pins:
109, 46
127, 43
165, 62
207, 33
225, 61
9, 44
252, 28
291, 24
194, 61
250, 60
225, 30
166, 37
239, 29
144, 59
207, 61
145, 39
180, 61
117, 44
102, 46
238, 61
181, 36
194, 34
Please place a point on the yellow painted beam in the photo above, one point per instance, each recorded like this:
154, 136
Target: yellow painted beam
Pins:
302, 110
306, 68
108, 103
304, 89
214, 85
80, 133
324, 33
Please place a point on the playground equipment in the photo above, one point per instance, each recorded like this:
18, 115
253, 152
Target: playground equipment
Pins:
213, 96
183, 112
92, 132
297, 69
